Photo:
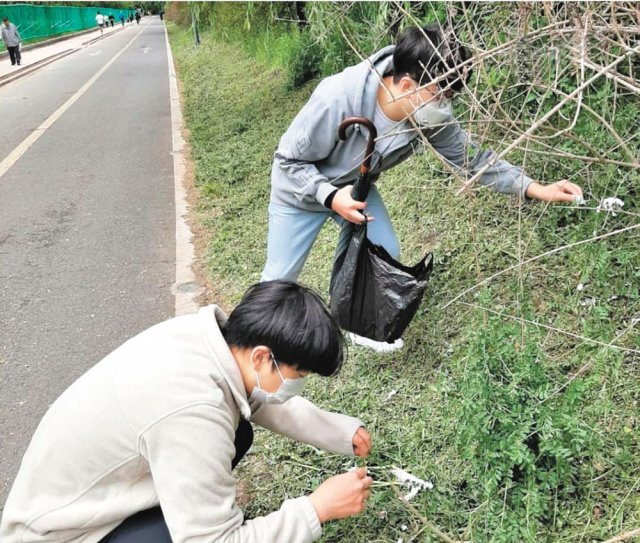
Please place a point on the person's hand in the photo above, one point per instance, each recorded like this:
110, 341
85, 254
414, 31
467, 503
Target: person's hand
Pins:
562, 191
348, 208
361, 442
342, 495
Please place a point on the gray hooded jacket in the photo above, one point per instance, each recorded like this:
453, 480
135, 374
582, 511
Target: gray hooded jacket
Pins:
311, 161
10, 35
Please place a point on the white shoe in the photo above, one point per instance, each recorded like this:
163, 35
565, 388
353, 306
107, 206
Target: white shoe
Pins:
377, 346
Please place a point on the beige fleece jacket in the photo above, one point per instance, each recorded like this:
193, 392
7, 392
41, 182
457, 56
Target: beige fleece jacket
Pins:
154, 423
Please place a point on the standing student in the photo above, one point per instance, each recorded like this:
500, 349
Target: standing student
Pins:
141, 448
121, 17
11, 38
100, 22
313, 172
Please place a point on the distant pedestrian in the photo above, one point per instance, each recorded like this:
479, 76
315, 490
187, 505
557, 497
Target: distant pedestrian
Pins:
112, 19
161, 14
11, 39
121, 17
138, 16
100, 22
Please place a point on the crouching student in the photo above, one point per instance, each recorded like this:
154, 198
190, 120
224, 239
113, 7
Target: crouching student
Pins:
141, 448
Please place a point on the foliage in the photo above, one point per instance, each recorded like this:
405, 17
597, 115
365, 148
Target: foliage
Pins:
519, 401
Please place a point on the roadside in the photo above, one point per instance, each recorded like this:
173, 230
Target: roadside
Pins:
444, 407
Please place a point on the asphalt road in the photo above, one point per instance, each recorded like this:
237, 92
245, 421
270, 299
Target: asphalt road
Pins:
87, 223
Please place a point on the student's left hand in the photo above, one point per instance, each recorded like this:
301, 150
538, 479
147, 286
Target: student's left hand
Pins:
362, 443
562, 191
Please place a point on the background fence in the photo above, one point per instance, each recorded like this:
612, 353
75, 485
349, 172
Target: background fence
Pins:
36, 22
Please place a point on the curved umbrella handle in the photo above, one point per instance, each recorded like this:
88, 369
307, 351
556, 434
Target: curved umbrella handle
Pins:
373, 134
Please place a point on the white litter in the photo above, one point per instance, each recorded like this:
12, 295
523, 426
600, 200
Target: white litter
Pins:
579, 200
391, 395
588, 302
377, 346
611, 205
580, 287
404, 527
414, 484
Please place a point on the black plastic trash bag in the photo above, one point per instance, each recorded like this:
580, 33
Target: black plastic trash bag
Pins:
372, 294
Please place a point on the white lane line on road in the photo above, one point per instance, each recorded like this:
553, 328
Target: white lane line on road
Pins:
186, 289
24, 146
96, 53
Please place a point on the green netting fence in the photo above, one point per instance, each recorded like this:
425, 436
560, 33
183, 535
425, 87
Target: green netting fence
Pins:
38, 22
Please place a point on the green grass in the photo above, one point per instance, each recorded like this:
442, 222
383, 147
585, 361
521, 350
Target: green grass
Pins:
527, 434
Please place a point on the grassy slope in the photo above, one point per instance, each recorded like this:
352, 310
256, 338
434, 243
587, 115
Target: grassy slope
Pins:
236, 111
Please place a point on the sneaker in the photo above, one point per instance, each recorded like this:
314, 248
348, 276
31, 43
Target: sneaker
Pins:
377, 346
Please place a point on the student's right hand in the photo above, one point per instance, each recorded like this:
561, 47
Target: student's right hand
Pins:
342, 495
348, 208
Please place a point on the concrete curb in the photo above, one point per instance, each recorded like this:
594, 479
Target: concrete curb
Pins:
89, 42
8, 78
186, 289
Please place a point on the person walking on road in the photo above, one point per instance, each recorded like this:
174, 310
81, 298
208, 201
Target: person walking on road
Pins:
141, 448
161, 13
112, 19
121, 17
100, 22
138, 16
11, 39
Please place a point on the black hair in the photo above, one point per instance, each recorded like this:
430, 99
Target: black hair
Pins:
293, 321
5, 19
429, 52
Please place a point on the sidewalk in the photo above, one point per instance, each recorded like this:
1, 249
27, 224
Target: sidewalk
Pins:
39, 55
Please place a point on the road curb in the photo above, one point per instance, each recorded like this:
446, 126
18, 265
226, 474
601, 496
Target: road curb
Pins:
98, 38
186, 289
9, 78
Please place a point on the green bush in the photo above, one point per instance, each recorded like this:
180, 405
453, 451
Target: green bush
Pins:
523, 435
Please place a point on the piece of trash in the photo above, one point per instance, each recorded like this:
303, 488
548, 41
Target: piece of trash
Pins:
391, 395
580, 287
414, 483
404, 527
579, 200
610, 205
588, 302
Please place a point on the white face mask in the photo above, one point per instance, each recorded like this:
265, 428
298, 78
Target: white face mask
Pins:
433, 113
288, 389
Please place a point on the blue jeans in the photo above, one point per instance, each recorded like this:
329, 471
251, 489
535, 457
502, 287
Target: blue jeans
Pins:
293, 231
